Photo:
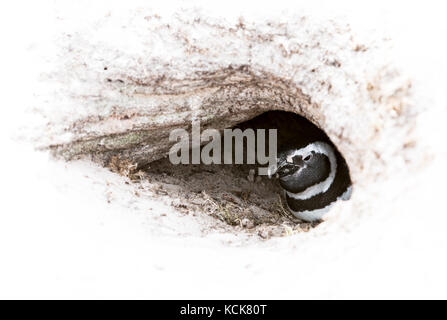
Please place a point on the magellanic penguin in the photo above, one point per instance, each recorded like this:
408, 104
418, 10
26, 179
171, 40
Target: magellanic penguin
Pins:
310, 169
314, 176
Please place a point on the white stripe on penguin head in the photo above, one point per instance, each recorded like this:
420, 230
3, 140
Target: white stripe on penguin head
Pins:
323, 186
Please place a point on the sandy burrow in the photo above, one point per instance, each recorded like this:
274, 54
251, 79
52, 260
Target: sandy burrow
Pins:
125, 79
113, 77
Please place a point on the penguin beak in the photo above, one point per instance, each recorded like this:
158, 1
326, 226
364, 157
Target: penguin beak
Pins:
286, 168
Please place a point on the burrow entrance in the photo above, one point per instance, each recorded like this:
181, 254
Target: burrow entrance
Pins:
234, 194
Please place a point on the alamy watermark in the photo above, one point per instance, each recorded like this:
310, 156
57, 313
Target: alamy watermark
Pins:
206, 147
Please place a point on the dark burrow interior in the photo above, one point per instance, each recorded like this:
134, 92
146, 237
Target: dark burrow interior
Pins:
235, 194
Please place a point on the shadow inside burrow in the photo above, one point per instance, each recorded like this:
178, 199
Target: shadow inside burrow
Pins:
234, 193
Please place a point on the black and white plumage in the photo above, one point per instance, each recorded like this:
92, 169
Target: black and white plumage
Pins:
310, 169
313, 177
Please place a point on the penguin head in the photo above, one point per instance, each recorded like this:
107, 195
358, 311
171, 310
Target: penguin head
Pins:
311, 166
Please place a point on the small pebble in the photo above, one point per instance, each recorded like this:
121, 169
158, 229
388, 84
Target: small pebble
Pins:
263, 234
251, 175
247, 223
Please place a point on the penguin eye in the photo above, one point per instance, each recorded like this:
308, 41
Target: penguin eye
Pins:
307, 158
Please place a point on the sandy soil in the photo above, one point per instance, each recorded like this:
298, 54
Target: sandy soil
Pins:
246, 203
